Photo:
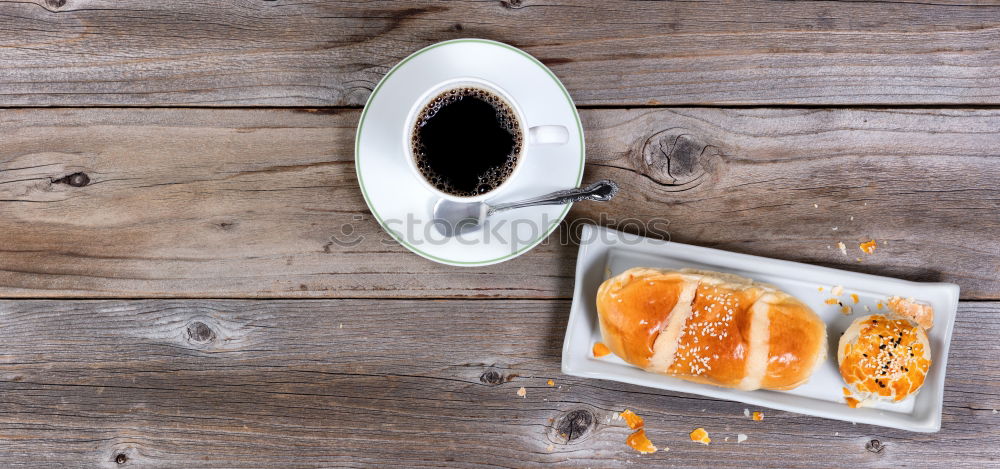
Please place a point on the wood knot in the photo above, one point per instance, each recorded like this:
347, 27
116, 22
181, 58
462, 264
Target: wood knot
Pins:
492, 378
75, 180
674, 157
574, 425
121, 458
458, 27
199, 333
510, 4
55, 3
874, 446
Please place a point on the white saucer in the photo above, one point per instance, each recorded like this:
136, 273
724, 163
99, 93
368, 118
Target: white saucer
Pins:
403, 206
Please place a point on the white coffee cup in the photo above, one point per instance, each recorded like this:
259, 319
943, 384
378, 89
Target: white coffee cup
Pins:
533, 136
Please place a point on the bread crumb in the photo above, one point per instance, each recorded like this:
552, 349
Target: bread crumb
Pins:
740, 438
699, 435
631, 419
868, 247
815, 205
522, 392
550, 383
879, 305
639, 442
727, 438
921, 313
600, 350
746, 413
867, 309
845, 310
550, 447
837, 290
836, 433
831, 301
852, 218
842, 247
854, 298
758, 416
341, 326
994, 411
835, 228
820, 288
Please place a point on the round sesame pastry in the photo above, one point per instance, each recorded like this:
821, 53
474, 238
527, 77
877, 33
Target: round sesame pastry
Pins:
884, 357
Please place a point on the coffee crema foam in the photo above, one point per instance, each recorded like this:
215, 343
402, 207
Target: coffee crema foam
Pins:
466, 141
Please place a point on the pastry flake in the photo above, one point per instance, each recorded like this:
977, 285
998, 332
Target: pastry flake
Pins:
639, 442
632, 419
921, 313
699, 435
601, 350
868, 247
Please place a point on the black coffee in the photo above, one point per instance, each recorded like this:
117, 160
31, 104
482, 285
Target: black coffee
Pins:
466, 141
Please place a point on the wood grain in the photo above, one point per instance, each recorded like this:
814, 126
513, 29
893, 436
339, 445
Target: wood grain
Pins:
357, 383
332, 53
264, 203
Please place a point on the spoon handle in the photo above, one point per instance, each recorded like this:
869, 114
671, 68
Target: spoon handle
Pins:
600, 191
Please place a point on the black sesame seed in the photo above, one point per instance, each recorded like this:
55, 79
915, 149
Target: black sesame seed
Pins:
881, 347
864, 354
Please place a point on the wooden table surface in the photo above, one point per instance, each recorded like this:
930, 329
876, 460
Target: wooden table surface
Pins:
174, 176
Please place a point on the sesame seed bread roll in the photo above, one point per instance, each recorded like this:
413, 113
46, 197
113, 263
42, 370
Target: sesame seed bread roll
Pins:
884, 357
710, 327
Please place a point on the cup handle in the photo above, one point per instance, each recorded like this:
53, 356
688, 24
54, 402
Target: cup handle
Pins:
548, 135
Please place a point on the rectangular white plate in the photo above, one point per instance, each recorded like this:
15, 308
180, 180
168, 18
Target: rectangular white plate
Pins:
605, 252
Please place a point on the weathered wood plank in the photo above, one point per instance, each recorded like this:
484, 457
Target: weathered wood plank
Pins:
145, 52
298, 384
247, 203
